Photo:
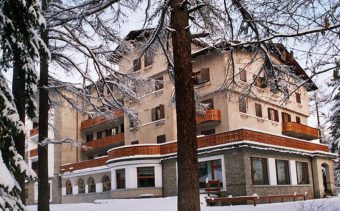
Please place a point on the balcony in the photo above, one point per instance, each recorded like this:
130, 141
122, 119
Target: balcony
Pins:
83, 164
97, 121
296, 130
237, 137
114, 140
34, 131
213, 115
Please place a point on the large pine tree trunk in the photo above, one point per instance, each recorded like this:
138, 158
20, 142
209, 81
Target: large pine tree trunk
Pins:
18, 85
188, 189
43, 185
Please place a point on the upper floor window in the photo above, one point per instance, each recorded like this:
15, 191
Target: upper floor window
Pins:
282, 172
161, 139
302, 172
148, 58
258, 110
243, 75
298, 120
210, 103
273, 114
134, 142
260, 81
99, 135
242, 104
159, 84
157, 113
89, 137
259, 171
286, 117
298, 97
137, 65
202, 76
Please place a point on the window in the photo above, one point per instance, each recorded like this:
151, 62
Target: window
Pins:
242, 104
243, 75
68, 186
258, 110
99, 135
120, 178
285, 117
211, 170
259, 171
302, 172
122, 128
210, 103
146, 177
298, 120
106, 183
202, 76
81, 186
298, 97
91, 185
273, 114
282, 172
89, 137
157, 113
137, 64
260, 81
161, 139
108, 132
148, 58
35, 166
134, 142
208, 132
91, 157
159, 84
133, 121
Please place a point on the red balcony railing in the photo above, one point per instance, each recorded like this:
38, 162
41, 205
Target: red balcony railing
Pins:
296, 130
117, 140
34, 131
203, 142
210, 115
33, 152
83, 164
97, 121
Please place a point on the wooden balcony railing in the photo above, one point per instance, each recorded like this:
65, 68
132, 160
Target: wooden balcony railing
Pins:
117, 140
203, 142
33, 152
296, 130
97, 121
34, 132
210, 115
83, 164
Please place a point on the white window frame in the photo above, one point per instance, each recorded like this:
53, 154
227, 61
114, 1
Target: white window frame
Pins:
217, 157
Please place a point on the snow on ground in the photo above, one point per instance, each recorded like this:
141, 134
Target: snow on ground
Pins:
169, 204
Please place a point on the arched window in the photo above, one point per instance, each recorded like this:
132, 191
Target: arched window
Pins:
92, 185
81, 186
68, 186
106, 183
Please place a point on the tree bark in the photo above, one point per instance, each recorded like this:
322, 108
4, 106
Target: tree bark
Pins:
18, 87
188, 189
43, 185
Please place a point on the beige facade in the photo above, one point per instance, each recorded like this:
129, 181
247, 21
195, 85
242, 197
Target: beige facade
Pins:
146, 154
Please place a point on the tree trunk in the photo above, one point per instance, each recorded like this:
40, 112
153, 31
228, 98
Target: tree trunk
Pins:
18, 87
188, 189
43, 185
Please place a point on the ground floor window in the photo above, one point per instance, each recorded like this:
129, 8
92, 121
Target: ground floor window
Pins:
146, 177
120, 178
282, 172
106, 183
91, 185
259, 171
81, 186
68, 186
302, 172
211, 170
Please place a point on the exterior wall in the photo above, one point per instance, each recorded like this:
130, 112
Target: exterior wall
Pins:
169, 167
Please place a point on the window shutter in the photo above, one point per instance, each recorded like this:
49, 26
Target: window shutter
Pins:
153, 114
276, 115
161, 108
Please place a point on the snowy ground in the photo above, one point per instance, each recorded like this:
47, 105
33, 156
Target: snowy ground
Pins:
169, 204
